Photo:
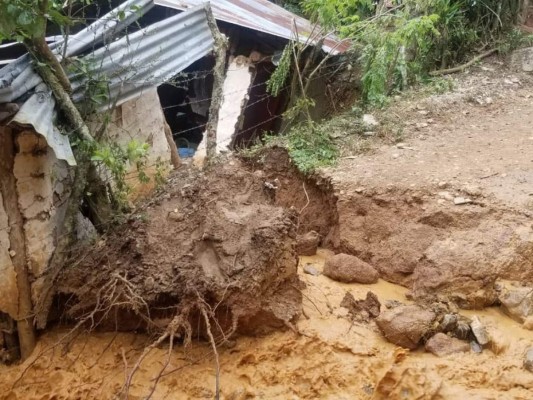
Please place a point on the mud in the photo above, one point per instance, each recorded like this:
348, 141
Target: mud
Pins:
332, 357
211, 240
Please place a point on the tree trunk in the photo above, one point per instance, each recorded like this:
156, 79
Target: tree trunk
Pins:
17, 240
83, 159
221, 46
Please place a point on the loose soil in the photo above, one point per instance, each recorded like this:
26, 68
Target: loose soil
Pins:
442, 212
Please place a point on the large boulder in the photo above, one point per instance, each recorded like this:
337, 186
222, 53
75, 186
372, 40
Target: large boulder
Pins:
442, 345
350, 269
406, 325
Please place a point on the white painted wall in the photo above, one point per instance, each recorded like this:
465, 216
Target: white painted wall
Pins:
236, 88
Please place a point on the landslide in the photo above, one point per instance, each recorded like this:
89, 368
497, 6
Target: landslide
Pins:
210, 241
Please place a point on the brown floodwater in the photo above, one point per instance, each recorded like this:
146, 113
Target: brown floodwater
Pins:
330, 358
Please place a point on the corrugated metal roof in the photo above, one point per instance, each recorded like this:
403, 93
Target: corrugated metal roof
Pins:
129, 65
150, 56
263, 16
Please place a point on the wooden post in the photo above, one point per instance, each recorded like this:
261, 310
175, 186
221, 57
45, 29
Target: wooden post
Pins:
221, 47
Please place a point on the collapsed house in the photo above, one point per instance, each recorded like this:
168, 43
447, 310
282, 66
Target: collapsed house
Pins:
155, 58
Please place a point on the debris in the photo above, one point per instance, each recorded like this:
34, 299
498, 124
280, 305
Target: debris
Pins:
480, 331
458, 201
406, 325
307, 245
349, 269
441, 344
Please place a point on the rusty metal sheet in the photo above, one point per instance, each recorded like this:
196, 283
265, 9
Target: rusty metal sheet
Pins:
262, 16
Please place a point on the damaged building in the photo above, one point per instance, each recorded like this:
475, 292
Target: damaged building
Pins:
156, 60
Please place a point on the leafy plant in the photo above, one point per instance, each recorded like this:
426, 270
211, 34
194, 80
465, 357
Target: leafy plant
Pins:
116, 159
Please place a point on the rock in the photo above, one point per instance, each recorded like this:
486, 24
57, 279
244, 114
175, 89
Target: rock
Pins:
441, 344
476, 347
458, 201
522, 60
307, 245
405, 325
528, 360
480, 331
442, 185
349, 269
311, 270
517, 302
369, 133
370, 121
362, 309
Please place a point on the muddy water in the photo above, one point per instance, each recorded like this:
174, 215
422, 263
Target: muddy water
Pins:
330, 358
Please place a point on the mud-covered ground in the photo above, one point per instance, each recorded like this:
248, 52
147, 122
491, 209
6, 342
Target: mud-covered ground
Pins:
330, 358
442, 211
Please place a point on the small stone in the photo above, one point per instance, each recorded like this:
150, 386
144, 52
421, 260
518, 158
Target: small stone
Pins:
360, 189
480, 331
311, 270
446, 196
441, 345
369, 133
349, 269
528, 360
395, 155
12, 253
442, 185
458, 201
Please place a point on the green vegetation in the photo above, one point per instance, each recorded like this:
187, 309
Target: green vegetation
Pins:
396, 45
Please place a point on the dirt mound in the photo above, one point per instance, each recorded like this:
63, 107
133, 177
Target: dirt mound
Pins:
208, 241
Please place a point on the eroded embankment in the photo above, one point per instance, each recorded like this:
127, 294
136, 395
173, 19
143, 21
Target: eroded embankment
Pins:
433, 246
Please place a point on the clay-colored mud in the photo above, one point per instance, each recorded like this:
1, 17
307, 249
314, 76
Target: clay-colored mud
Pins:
330, 358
